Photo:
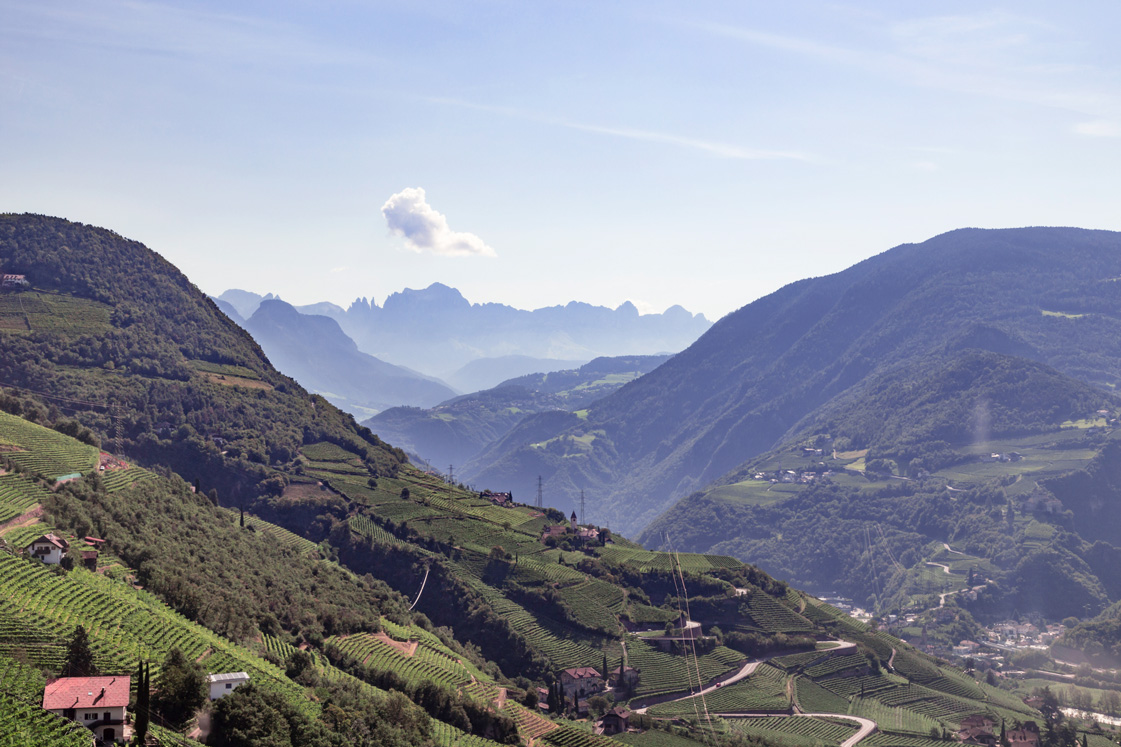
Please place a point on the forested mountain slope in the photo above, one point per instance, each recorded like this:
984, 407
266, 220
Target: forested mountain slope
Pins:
455, 431
315, 351
1046, 294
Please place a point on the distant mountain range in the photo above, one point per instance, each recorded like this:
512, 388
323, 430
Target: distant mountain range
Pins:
438, 332
317, 353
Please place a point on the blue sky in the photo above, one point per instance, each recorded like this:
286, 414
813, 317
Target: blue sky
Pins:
532, 153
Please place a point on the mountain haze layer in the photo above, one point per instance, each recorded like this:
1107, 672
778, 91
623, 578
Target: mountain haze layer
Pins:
315, 351
437, 331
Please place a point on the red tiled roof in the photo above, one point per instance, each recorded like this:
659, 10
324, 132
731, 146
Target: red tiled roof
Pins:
579, 673
86, 692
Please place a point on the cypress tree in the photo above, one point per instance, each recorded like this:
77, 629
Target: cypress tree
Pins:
143, 699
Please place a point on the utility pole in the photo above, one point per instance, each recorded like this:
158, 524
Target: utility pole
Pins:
581, 506
540, 503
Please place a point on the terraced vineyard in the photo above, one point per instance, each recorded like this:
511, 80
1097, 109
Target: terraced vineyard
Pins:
795, 730
366, 527
814, 698
21, 680
43, 451
282, 536
662, 672
892, 719
764, 690
18, 493
119, 479
646, 560
425, 665
861, 686
54, 312
835, 665
770, 616
123, 624
562, 645
567, 736
794, 662
23, 723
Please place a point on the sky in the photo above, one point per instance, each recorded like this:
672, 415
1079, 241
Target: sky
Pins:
534, 153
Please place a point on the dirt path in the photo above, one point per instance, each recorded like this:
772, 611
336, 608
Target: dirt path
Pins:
950, 549
27, 517
945, 568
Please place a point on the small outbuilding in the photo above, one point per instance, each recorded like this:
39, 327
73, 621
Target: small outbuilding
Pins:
222, 685
615, 721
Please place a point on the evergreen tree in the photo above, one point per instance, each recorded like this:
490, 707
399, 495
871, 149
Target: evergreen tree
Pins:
181, 688
143, 700
79, 657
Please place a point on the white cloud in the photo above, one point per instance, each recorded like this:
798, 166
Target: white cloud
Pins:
410, 216
1099, 128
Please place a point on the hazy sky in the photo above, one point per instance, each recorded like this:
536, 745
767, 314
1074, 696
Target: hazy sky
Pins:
537, 152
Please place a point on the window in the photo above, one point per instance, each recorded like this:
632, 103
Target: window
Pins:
229, 686
90, 716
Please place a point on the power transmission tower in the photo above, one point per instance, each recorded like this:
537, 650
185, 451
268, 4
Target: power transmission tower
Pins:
451, 474
540, 503
116, 418
581, 506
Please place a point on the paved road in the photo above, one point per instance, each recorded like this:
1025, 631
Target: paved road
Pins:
867, 725
746, 671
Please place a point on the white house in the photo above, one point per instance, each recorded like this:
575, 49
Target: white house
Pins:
50, 548
222, 684
97, 703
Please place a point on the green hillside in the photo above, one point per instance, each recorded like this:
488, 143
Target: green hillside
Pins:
455, 431
249, 526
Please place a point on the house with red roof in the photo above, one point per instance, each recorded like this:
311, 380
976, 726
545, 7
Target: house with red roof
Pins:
49, 548
97, 703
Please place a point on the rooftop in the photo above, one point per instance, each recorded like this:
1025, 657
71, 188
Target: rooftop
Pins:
87, 692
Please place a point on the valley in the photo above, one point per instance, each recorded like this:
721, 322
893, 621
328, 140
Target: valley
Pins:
211, 517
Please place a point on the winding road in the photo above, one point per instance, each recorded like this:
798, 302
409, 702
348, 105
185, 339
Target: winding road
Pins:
867, 726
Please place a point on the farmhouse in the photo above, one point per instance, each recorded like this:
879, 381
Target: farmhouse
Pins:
49, 548
1025, 736
581, 681
615, 721
97, 703
628, 677
9, 281
222, 685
